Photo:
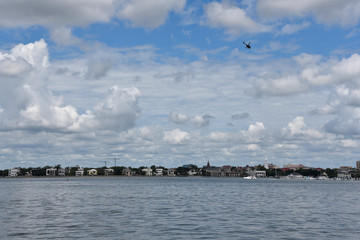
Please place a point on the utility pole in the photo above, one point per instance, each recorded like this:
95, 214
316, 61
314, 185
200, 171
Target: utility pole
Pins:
115, 160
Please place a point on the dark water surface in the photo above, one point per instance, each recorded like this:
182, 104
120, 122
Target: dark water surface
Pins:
178, 208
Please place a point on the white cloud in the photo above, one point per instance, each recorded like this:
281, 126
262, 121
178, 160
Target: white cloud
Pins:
13, 66
119, 110
98, 69
298, 128
36, 54
254, 133
293, 28
253, 147
349, 143
308, 73
201, 121
54, 13
282, 86
175, 136
178, 118
27, 103
347, 127
63, 36
148, 14
345, 13
234, 19
198, 121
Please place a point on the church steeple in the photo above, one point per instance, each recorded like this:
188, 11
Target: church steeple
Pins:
208, 164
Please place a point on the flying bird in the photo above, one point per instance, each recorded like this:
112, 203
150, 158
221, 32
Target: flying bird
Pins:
247, 44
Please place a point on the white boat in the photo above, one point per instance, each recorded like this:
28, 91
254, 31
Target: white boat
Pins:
250, 177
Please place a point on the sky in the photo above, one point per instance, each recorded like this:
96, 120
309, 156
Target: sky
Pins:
170, 82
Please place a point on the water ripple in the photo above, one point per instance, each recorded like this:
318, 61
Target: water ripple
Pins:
178, 208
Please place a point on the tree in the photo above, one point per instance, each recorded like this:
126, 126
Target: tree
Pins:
4, 173
260, 168
118, 170
331, 173
181, 171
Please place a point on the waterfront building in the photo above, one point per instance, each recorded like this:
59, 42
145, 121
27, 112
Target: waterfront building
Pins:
343, 175
260, 174
14, 172
127, 172
358, 165
323, 176
147, 171
293, 166
61, 172
273, 166
159, 172
79, 172
295, 175
192, 172
171, 172
92, 172
213, 171
109, 172
51, 172
345, 168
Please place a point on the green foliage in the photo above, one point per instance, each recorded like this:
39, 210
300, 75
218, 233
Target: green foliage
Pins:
309, 172
72, 171
332, 173
4, 173
260, 168
181, 171
118, 170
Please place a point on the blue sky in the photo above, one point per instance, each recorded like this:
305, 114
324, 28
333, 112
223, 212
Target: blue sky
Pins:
170, 82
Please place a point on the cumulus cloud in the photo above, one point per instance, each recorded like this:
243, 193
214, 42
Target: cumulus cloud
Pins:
36, 54
119, 110
308, 72
27, 103
345, 13
202, 121
178, 118
175, 136
198, 121
255, 132
282, 86
298, 128
148, 14
10, 65
233, 19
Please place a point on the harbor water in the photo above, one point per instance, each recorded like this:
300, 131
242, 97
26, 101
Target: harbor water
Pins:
178, 208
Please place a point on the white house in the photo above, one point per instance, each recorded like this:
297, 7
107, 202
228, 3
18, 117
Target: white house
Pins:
260, 174
192, 172
295, 175
159, 172
344, 175
92, 172
61, 172
14, 172
109, 171
147, 171
171, 172
79, 172
51, 172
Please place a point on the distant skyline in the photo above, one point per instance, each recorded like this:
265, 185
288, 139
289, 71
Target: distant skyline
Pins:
170, 82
